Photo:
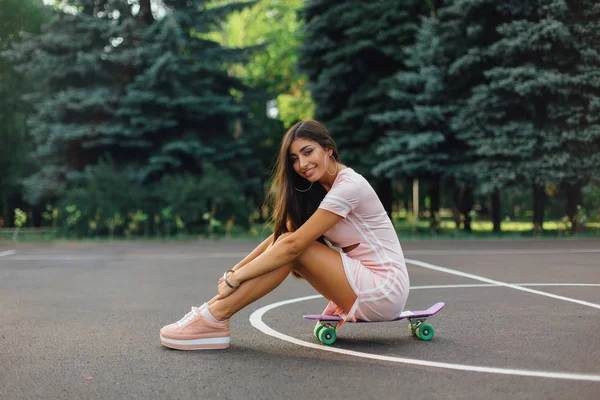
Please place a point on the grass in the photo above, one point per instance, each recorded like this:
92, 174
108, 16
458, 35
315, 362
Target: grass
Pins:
485, 230
405, 228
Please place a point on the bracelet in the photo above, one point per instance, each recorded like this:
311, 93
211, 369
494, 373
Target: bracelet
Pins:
226, 281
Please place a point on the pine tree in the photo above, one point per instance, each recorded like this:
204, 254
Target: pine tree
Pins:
179, 110
470, 28
534, 119
153, 95
418, 140
75, 94
19, 17
351, 47
581, 121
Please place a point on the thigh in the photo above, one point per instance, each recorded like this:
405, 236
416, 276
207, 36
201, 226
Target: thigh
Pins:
323, 268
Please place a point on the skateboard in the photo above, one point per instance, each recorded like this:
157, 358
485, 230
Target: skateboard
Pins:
325, 327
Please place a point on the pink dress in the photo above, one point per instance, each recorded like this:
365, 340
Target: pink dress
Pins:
376, 268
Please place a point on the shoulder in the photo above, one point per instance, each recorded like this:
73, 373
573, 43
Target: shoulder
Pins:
349, 180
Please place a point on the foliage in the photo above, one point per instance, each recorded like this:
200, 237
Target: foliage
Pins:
19, 221
350, 49
217, 193
534, 118
270, 33
148, 92
418, 140
112, 202
273, 27
19, 18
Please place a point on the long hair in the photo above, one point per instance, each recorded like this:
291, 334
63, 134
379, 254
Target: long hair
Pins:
289, 205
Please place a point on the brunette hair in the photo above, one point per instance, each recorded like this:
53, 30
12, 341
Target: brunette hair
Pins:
291, 207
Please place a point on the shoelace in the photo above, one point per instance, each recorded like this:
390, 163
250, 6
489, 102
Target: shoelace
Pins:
188, 317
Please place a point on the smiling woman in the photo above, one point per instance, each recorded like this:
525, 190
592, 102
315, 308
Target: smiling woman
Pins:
315, 197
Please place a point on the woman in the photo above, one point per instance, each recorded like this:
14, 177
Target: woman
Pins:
316, 196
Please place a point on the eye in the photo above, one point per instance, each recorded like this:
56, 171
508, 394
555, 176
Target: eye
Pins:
307, 152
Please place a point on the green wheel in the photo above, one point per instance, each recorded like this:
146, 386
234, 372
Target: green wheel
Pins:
425, 332
327, 336
317, 329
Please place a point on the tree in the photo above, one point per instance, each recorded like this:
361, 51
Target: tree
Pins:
470, 28
183, 107
350, 48
269, 31
19, 17
418, 140
76, 89
534, 118
148, 92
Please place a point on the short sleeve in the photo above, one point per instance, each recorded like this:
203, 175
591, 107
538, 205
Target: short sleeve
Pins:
342, 199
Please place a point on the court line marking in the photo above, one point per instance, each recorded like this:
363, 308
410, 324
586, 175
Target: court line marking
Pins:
499, 283
8, 253
481, 285
500, 252
257, 322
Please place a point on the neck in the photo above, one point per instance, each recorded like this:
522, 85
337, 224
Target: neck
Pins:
327, 179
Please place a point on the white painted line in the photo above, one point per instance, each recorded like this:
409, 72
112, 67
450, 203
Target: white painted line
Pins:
499, 252
257, 322
499, 283
8, 253
480, 285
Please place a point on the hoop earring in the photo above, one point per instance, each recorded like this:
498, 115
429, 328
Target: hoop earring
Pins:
327, 169
305, 190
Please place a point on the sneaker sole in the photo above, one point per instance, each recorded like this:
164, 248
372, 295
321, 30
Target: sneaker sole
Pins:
196, 344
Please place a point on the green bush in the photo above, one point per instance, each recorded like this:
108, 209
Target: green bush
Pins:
92, 209
112, 203
204, 205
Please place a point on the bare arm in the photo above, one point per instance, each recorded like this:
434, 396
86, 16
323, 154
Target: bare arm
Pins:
287, 249
255, 253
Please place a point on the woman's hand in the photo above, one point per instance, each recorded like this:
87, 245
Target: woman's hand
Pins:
223, 289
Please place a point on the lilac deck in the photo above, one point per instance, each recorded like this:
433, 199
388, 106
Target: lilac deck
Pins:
406, 314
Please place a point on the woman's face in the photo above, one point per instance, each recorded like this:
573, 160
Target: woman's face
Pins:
308, 159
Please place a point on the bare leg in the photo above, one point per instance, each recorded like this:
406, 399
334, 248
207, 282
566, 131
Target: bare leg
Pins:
248, 292
320, 265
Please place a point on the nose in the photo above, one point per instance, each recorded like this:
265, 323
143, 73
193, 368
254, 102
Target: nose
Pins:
303, 162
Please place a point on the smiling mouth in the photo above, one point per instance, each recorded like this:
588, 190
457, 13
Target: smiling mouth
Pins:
309, 172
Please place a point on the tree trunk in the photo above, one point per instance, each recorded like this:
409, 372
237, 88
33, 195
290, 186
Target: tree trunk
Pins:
457, 197
434, 195
539, 199
495, 211
466, 207
384, 191
574, 197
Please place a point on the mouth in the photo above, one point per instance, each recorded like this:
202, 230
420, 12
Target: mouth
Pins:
308, 173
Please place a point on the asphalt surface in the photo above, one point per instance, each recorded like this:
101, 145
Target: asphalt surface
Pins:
81, 321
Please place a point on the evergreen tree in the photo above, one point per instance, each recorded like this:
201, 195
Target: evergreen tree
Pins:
351, 47
19, 17
152, 94
469, 28
418, 141
76, 91
535, 118
436, 79
179, 110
